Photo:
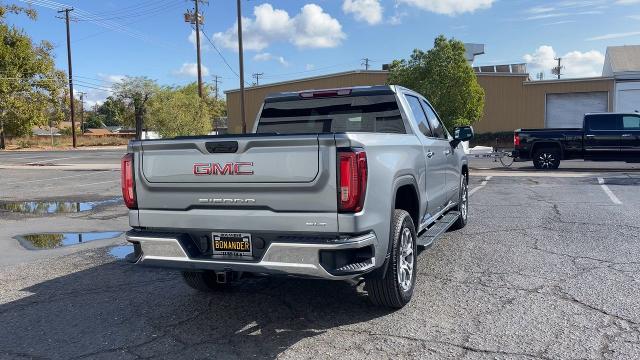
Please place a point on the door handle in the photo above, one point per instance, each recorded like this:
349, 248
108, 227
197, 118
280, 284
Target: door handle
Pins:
430, 154
627, 135
590, 136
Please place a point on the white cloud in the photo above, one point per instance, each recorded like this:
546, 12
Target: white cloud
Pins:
309, 67
268, 57
540, 9
311, 28
203, 41
316, 29
369, 11
614, 36
576, 63
627, 2
634, 17
111, 78
450, 7
191, 70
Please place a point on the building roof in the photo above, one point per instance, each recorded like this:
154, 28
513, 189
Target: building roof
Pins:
622, 60
98, 132
311, 78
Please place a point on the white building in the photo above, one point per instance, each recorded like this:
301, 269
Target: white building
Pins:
623, 64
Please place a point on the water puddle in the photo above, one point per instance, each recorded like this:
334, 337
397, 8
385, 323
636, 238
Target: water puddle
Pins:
55, 207
56, 240
121, 252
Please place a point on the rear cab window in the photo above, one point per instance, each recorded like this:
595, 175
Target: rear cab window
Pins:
604, 122
336, 114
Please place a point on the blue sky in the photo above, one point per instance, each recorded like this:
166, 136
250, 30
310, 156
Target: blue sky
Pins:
288, 39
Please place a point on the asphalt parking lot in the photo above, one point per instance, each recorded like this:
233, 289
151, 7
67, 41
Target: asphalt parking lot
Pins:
548, 267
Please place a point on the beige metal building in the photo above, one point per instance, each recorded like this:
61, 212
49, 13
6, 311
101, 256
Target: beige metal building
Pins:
512, 101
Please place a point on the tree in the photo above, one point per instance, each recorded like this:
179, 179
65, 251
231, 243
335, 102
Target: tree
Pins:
114, 112
175, 112
93, 121
444, 77
217, 107
136, 92
30, 86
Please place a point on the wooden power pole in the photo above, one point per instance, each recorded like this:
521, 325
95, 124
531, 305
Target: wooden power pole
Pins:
72, 112
197, 19
242, 110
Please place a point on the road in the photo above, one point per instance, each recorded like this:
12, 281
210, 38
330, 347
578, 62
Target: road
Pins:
546, 268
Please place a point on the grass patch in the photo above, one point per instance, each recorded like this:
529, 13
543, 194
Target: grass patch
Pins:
44, 142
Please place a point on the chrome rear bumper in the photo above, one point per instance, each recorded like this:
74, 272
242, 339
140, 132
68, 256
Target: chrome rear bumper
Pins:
298, 259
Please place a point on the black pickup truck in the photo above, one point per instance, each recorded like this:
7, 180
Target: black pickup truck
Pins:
604, 137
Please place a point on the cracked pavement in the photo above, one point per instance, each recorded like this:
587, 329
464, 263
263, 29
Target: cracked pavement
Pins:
547, 268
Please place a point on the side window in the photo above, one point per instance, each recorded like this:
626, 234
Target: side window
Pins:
419, 115
439, 130
631, 122
604, 122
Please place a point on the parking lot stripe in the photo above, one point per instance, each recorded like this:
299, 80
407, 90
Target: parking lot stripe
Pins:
51, 160
608, 191
482, 184
50, 179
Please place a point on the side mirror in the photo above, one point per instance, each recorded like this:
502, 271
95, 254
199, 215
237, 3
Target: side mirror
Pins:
460, 134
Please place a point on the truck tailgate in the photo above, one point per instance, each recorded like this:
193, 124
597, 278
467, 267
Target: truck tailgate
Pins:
243, 182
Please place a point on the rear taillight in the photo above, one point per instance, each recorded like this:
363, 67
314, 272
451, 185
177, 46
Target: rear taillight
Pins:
127, 181
352, 177
516, 139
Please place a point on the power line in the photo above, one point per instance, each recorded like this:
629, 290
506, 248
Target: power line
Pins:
220, 54
365, 63
216, 81
257, 77
108, 24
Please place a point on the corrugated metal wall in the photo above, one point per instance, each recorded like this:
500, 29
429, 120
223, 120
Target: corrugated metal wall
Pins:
511, 101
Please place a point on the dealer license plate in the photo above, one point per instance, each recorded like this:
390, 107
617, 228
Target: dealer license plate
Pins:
231, 244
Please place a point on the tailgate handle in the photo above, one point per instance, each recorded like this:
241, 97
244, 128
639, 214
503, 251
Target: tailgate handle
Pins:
222, 147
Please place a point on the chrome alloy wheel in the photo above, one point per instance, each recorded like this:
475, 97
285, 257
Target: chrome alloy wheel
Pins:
464, 199
546, 160
405, 260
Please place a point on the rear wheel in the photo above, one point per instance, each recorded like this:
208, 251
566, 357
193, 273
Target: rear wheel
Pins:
395, 288
206, 281
546, 158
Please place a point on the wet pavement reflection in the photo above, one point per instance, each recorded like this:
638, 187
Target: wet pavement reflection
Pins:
56, 240
55, 207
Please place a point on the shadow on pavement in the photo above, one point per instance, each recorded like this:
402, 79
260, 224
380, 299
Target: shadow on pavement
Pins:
120, 310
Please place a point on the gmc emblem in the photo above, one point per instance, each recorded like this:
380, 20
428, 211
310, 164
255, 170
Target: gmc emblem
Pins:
239, 168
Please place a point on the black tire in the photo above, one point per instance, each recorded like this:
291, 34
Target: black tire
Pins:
389, 291
204, 281
463, 204
546, 158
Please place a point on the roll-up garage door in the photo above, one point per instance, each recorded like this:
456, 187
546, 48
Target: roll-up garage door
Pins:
567, 110
628, 100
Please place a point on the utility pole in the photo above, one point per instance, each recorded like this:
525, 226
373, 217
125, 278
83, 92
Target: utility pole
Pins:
242, 110
197, 19
257, 77
72, 112
216, 81
558, 70
365, 63
82, 94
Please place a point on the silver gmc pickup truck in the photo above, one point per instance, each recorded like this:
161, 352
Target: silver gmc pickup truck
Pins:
341, 184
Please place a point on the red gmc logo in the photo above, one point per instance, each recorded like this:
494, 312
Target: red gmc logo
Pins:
239, 168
